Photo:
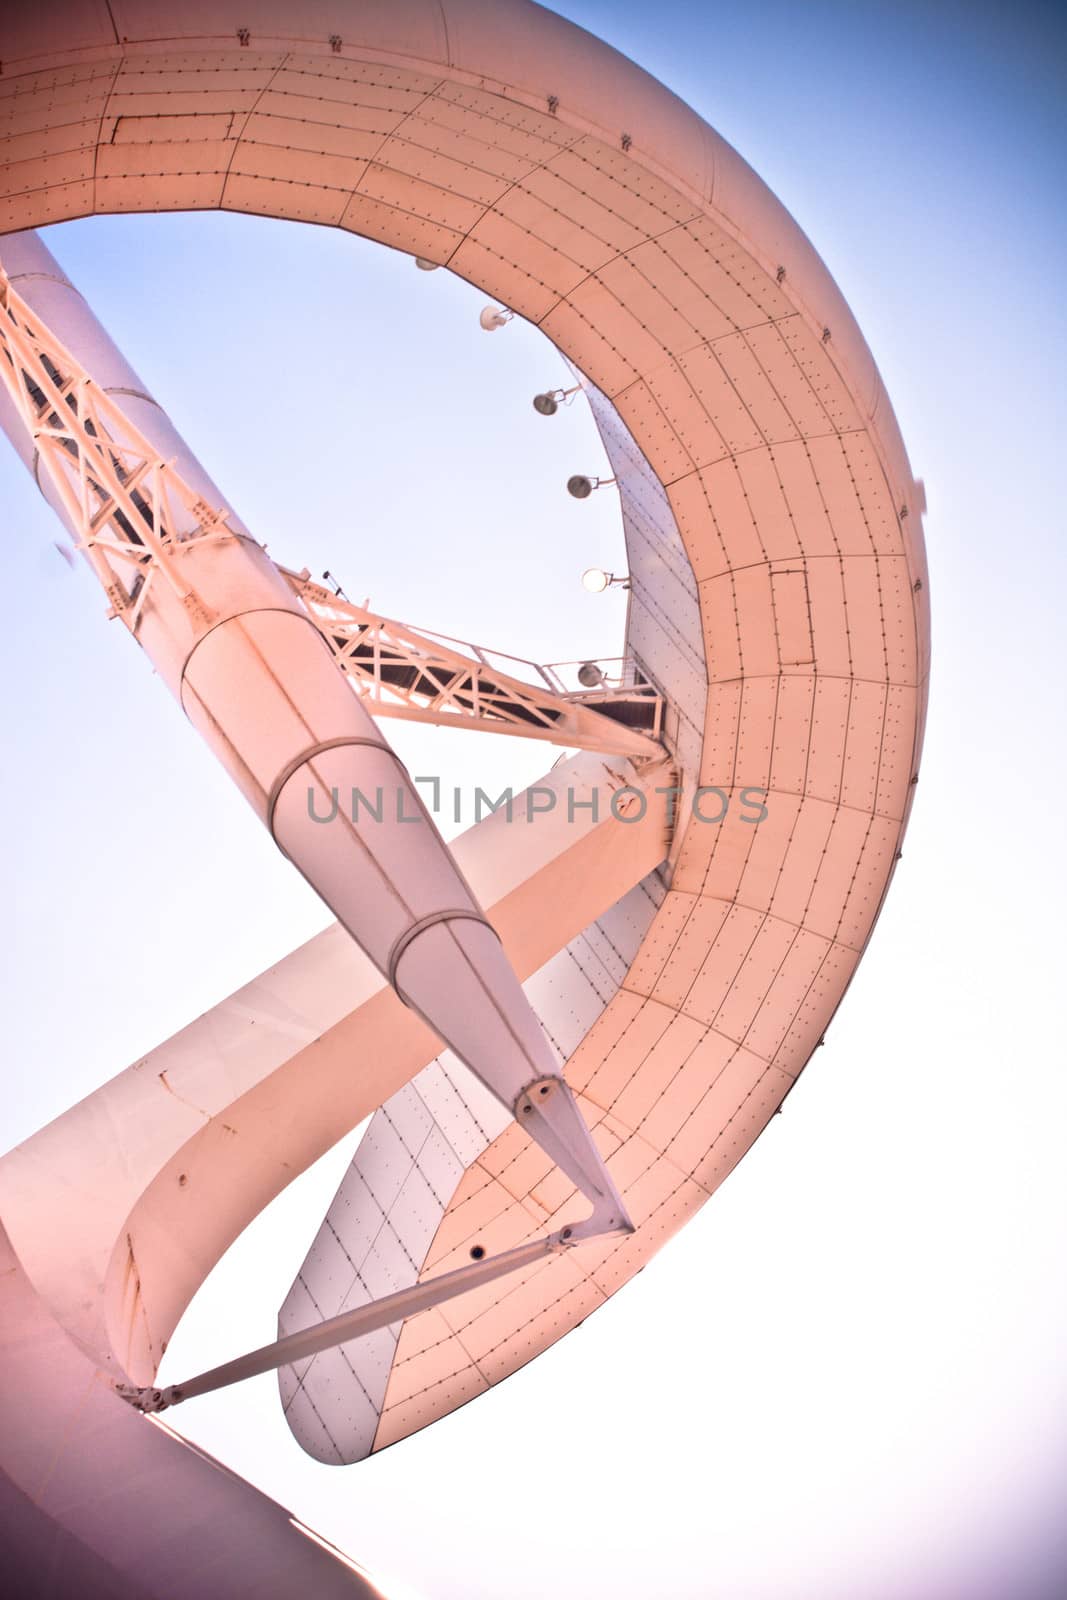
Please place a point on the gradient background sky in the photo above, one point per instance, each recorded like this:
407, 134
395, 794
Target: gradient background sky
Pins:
845, 1378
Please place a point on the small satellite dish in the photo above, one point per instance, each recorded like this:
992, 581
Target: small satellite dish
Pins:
546, 404
590, 675
581, 488
426, 266
494, 317
595, 579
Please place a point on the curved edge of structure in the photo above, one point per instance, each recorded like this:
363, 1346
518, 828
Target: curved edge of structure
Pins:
107, 1506
559, 81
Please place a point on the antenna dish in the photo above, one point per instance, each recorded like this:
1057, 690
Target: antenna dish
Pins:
590, 675
545, 404
426, 266
580, 487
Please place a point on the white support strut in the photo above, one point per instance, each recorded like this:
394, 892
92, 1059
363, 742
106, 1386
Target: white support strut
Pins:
130, 506
362, 1320
237, 645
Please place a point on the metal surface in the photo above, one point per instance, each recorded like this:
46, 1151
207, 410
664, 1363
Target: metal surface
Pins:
98, 1503
400, 671
120, 1207
355, 1324
391, 1203
791, 643
266, 700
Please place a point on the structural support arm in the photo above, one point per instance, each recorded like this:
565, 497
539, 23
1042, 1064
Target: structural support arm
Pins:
354, 1324
399, 671
258, 678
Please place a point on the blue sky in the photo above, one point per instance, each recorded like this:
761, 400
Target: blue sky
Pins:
845, 1377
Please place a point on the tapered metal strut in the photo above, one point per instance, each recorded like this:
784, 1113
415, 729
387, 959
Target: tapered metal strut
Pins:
363, 1320
235, 638
133, 510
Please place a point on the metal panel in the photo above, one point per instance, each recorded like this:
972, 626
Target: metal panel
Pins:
780, 458
405, 1175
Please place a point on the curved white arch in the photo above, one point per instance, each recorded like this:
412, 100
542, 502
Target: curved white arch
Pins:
488, 137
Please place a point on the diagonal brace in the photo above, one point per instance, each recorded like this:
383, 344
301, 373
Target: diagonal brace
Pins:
369, 1318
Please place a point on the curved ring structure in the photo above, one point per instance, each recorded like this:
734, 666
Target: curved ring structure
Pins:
779, 586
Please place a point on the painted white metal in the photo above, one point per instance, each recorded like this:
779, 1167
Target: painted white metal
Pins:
121, 1206
572, 188
241, 653
664, 631
388, 1210
400, 671
131, 510
664, 627
381, 1225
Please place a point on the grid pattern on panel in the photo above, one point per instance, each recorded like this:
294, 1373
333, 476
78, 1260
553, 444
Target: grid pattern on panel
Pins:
373, 1241
664, 629
673, 1107
378, 1231
789, 494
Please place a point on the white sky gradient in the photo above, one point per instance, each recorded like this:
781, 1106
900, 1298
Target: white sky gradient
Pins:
845, 1378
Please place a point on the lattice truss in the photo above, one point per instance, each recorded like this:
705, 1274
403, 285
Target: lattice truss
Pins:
129, 507
406, 673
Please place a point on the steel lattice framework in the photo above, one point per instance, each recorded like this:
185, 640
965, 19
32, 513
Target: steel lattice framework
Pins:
130, 508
